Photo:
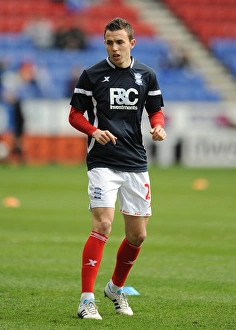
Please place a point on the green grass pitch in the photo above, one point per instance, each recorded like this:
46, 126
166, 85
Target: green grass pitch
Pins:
186, 272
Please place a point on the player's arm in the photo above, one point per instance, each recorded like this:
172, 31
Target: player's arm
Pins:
79, 122
157, 122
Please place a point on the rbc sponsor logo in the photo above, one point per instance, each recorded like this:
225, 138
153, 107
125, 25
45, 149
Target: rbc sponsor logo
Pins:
123, 99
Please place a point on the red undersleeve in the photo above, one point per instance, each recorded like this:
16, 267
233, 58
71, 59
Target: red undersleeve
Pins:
78, 121
156, 118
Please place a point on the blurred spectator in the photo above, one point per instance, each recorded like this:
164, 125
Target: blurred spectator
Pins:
177, 57
73, 79
69, 38
40, 30
4, 150
3, 68
17, 86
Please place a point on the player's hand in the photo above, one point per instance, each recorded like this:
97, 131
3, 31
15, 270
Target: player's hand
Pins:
158, 133
103, 137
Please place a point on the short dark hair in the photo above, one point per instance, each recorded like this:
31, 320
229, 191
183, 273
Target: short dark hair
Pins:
120, 24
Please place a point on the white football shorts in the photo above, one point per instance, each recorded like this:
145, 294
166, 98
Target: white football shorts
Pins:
132, 189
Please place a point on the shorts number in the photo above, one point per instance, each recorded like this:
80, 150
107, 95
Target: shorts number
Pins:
148, 191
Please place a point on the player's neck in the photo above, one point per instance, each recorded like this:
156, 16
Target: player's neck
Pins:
123, 65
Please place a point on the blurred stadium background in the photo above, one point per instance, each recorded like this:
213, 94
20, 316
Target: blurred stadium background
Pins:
190, 44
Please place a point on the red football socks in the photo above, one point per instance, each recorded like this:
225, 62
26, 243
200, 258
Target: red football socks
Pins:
91, 259
125, 258
92, 256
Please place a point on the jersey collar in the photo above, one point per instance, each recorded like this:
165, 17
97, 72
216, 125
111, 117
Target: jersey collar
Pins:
115, 67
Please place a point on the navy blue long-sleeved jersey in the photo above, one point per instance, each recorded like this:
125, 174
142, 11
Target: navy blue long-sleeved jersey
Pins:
114, 99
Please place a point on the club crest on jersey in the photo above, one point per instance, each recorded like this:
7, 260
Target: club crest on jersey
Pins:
138, 79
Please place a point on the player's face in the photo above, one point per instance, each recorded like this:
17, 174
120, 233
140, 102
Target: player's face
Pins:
118, 47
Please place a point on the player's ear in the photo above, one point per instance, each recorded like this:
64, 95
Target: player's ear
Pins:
132, 43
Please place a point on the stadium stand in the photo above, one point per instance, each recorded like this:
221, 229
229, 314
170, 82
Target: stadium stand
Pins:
213, 22
225, 50
182, 84
207, 19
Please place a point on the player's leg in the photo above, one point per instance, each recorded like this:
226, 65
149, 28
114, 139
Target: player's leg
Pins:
93, 249
91, 259
102, 205
135, 228
135, 203
135, 231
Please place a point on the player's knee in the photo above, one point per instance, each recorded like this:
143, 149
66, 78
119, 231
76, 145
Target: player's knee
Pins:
137, 239
103, 227
141, 238
106, 226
